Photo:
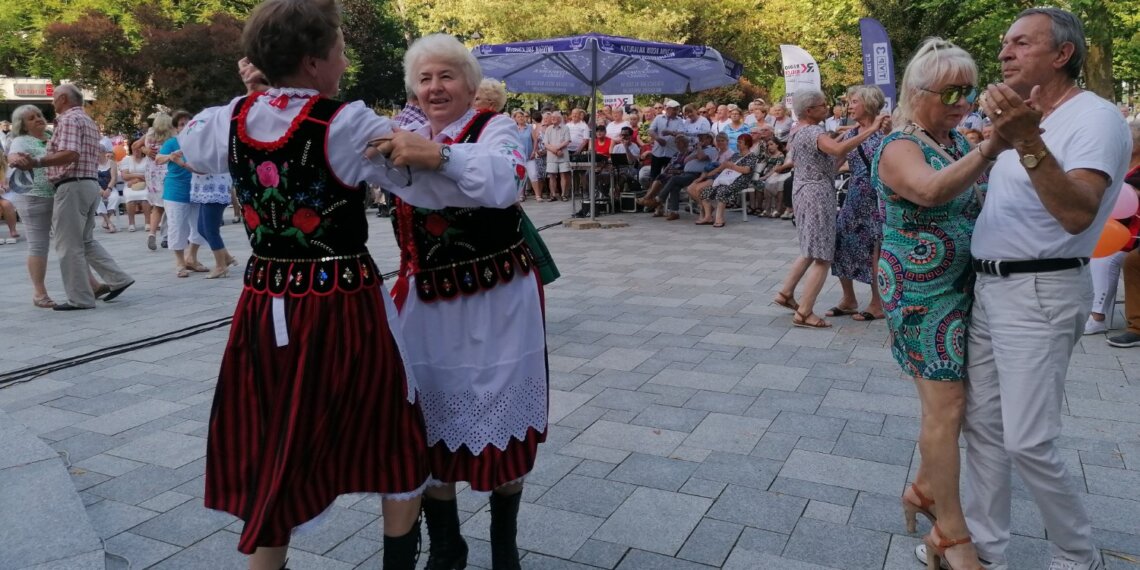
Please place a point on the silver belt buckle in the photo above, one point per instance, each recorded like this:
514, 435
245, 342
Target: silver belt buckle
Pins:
997, 268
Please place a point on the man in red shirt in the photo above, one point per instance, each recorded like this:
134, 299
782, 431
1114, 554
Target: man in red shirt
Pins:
72, 164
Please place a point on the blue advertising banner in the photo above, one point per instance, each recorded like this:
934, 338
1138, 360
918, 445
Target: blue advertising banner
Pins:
878, 59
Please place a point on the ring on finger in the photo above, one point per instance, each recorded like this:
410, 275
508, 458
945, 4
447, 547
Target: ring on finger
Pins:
997, 112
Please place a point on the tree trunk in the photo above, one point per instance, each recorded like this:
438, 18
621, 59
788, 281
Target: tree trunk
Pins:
1098, 63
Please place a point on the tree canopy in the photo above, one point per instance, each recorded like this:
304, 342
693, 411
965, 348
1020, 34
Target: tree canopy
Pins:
141, 53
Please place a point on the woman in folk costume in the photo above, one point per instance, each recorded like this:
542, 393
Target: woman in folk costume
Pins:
313, 399
469, 296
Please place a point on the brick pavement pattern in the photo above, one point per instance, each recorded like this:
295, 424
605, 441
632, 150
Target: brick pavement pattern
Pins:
691, 426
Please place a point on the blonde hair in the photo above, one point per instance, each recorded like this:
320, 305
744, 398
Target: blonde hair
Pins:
162, 129
494, 91
935, 60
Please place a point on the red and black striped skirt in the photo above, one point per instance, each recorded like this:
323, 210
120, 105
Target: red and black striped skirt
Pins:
293, 427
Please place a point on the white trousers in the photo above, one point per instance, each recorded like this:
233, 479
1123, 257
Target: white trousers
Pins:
1022, 333
110, 205
182, 225
1105, 278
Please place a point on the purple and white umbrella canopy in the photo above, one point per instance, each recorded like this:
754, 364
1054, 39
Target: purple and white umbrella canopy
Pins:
589, 63
585, 64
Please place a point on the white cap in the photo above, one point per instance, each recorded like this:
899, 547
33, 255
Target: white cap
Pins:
671, 103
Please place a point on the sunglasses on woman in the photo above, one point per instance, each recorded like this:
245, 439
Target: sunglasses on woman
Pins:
954, 93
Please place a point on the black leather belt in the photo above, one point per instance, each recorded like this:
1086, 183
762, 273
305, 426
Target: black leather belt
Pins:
1005, 268
74, 179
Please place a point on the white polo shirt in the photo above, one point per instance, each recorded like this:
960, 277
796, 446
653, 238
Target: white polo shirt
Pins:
1085, 132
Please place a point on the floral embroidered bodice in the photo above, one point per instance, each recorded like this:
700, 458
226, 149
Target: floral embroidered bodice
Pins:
307, 228
460, 250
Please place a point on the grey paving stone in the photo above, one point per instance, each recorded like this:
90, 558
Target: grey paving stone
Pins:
541, 562
883, 513
842, 371
108, 465
600, 554
653, 471
631, 438
829, 512
775, 376
874, 448
847, 547
165, 501
1114, 459
184, 525
774, 401
741, 559
112, 517
717, 402
549, 468
759, 509
582, 417
669, 396
900, 555
878, 403
130, 416
626, 400
219, 550
98, 405
816, 491
807, 425
83, 480
817, 386
355, 550
775, 446
703, 488
621, 358
587, 495
94, 560
591, 468
541, 529
758, 540
51, 527
845, 472
672, 376
335, 526
622, 379
593, 452
142, 552
732, 468
641, 560
1113, 482
728, 433
42, 419
710, 542
19, 446
654, 520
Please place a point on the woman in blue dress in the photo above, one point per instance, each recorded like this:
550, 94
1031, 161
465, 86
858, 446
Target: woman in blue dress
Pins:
859, 226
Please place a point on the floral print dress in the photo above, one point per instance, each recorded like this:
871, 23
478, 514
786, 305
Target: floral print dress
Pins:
859, 226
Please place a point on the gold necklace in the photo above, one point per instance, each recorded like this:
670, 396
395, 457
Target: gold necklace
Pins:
1060, 100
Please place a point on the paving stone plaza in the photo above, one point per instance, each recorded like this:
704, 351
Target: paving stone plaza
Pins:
691, 426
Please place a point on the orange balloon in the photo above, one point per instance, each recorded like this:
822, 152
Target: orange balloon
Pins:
1112, 239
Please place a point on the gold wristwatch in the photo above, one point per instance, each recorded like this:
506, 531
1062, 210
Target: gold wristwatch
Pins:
1030, 161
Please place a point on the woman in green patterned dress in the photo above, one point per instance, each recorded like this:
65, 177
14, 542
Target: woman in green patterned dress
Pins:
929, 185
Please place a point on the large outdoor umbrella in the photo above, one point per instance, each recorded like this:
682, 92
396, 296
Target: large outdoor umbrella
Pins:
586, 64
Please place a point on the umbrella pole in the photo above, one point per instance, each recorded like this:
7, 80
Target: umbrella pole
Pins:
594, 99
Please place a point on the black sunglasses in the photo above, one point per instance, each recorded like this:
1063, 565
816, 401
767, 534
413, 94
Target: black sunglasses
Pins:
954, 93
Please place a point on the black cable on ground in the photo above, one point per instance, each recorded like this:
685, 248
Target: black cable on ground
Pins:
29, 373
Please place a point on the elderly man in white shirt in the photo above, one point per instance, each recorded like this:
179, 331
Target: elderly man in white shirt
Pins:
556, 138
1048, 199
664, 130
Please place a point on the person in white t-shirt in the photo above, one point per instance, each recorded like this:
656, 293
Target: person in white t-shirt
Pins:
664, 131
1049, 197
618, 121
579, 131
556, 138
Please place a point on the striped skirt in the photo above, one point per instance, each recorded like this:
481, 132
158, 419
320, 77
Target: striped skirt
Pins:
293, 427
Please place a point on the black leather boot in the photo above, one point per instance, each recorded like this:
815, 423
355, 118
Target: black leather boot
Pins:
446, 548
504, 529
402, 552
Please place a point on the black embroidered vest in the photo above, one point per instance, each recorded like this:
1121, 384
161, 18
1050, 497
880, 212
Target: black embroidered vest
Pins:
460, 250
307, 229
